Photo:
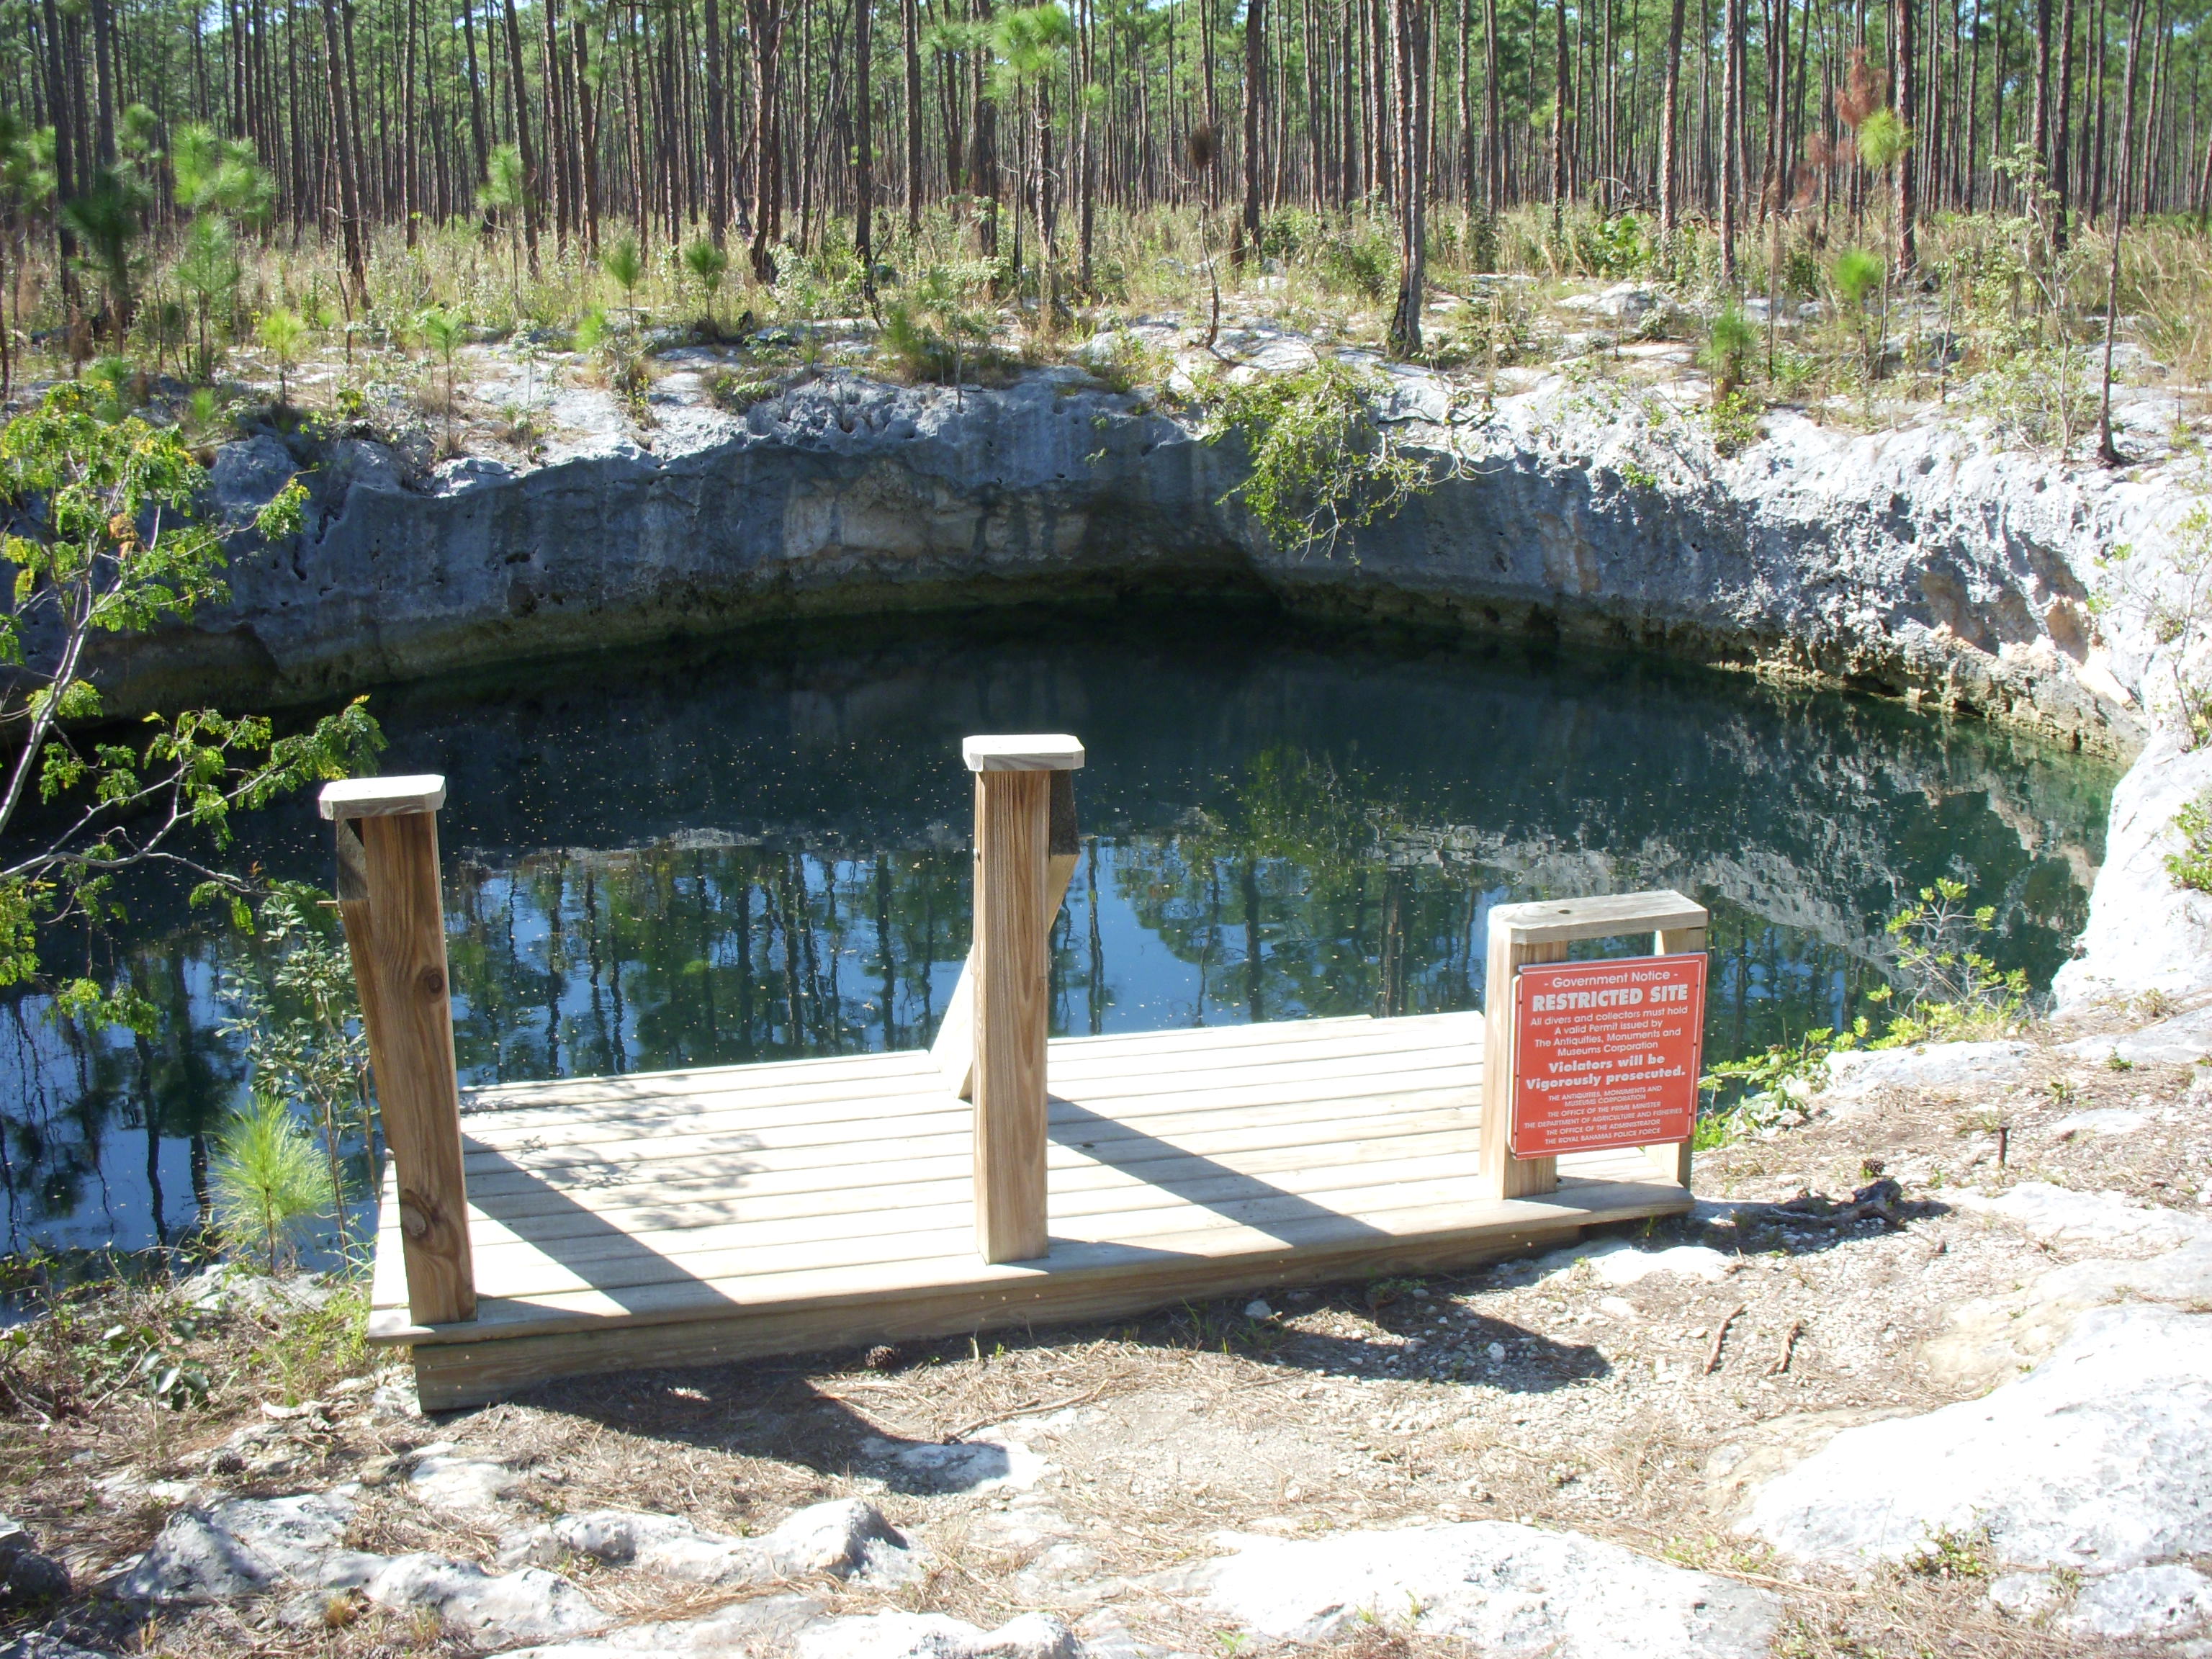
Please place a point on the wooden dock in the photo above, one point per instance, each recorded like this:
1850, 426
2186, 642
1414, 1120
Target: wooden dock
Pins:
592, 1225
690, 1217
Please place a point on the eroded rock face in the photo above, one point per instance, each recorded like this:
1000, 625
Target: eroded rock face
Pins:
1913, 560
1511, 1591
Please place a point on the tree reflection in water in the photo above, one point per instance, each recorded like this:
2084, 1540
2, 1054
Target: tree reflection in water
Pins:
758, 851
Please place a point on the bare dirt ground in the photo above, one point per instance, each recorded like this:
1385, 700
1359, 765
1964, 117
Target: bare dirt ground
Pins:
1066, 1468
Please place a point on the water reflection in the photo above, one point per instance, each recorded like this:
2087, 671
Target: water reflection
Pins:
758, 851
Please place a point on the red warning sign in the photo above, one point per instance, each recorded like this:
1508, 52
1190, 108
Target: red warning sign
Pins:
1606, 1054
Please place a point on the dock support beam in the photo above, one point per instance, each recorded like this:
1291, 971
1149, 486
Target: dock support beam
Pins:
1524, 933
395, 927
1009, 958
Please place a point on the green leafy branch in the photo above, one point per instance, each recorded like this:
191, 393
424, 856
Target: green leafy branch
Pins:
97, 521
1322, 462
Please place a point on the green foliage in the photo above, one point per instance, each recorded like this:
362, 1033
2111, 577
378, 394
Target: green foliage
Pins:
2038, 395
2191, 867
1321, 463
107, 217
626, 265
1951, 1555
939, 326
707, 263
1883, 139
1732, 422
209, 269
267, 1177
1729, 342
299, 1024
100, 535
282, 331
1754, 1092
1950, 991
1857, 275
220, 176
1616, 247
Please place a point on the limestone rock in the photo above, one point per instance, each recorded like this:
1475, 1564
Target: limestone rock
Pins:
2164, 1601
226, 1552
1620, 1261
2061, 1214
2099, 1459
988, 1460
1856, 1075
531, 1605
1510, 1590
934, 1636
44, 1644
26, 1576
2182, 1040
844, 1539
1991, 1340
446, 1481
765, 1624
2144, 933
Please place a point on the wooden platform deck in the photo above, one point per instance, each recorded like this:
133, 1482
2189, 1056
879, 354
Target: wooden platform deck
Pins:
690, 1217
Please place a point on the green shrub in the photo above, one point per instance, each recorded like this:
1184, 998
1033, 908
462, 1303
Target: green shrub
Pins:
1321, 462
2191, 867
268, 1177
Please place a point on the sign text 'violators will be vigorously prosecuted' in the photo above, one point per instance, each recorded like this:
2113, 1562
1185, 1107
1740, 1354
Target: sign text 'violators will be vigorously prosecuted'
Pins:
1606, 1054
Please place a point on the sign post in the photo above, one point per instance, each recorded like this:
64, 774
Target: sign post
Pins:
1589, 1056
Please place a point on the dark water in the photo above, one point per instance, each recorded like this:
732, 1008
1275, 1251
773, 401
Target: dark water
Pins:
670, 858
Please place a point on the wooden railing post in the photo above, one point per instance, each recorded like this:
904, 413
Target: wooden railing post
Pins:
1520, 934
395, 924
1010, 959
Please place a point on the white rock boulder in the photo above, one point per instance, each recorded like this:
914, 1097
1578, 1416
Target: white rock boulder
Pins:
1510, 1590
2098, 1460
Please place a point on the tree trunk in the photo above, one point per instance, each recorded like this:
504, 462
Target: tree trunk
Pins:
1908, 202
764, 21
1670, 128
521, 113
2105, 451
718, 146
910, 31
348, 178
863, 159
1409, 54
1731, 130
1255, 63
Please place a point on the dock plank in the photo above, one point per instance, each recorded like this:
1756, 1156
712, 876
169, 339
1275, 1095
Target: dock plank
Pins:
720, 1212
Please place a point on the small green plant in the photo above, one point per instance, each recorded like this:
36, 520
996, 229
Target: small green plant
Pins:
707, 263
1950, 1554
1860, 276
1729, 342
1321, 463
1753, 1093
282, 331
1951, 991
505, 192
1633, 477
626, 265
267, 1177
2191, 867
444, 333
1733, 422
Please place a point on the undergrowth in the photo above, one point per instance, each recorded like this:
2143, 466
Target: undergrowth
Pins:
1322, 462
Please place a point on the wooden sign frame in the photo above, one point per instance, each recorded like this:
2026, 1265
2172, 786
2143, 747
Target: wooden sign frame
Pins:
1523, 933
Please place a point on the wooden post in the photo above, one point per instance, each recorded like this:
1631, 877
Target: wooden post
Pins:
1013, 814
1672, 1162
953, 1049
395, 924
1523, 934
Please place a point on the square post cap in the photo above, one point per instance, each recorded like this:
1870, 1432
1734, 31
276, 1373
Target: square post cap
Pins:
383, 798
1046, 751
